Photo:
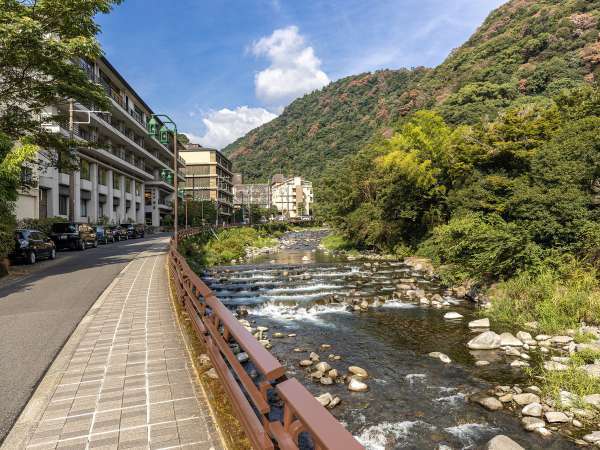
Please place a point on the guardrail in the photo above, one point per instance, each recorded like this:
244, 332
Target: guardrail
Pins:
274, 410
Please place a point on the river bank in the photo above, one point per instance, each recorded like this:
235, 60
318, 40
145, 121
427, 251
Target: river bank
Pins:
372, 314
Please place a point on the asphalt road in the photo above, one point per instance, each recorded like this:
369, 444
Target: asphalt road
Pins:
42, 305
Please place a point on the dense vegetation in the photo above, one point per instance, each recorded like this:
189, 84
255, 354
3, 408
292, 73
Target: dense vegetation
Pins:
526, 49
211, 248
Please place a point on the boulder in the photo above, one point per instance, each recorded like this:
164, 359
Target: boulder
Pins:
480, 323
452, 315
502, 442
357, 386
592, 438
305, 363
593, 400
556, 417
532, 423
482, 363
561, 340
593, 370
543, 431
212, 373
317, 374
333, 374
485, 341
313, 356
441, 356
326, 380
508, 340
533, 410
242, 357
526, 399
336, 401
489, 403
519, 363
553, 365
323, 367
358, 371
325, 399
524, 336
542, 337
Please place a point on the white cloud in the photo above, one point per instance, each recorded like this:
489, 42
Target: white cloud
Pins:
226, 125
294, 68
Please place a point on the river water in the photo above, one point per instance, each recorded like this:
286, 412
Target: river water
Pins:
414, 401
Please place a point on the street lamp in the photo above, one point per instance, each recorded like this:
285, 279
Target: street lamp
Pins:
162, 136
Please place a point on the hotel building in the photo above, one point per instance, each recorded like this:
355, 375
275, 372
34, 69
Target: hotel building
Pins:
208, 177
293, 197
124, 173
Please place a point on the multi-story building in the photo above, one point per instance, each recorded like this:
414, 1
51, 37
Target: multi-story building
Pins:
208, 176
293, 197
250, 194
123, 174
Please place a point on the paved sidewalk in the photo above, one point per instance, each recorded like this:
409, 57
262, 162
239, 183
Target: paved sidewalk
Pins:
124, 378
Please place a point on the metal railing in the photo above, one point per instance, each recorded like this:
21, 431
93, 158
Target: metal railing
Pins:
275, 411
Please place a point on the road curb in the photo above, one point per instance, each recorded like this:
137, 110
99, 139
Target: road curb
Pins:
22, 430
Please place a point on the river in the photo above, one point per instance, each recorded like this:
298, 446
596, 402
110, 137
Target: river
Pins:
414, 401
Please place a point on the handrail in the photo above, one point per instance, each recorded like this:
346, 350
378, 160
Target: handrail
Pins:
275, 411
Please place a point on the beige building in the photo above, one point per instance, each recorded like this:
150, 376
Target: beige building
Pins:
293, 197
208, 176
123, 171
248, 194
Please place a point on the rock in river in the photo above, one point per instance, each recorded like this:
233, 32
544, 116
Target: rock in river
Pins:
489, 403
441, 356
533, 410
485, 341
453, 315
323, 367
556, 417
325, 399
508, 340
593, 370
502, 442
532, 423
357, 386
592, 438
526, 399
480, 323
358, 371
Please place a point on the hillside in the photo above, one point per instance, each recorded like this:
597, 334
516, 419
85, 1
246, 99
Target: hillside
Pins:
525, 48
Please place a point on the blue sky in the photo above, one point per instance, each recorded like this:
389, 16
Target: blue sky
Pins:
223, 67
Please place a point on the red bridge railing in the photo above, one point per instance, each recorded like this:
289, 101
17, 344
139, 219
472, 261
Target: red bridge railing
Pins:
274, 410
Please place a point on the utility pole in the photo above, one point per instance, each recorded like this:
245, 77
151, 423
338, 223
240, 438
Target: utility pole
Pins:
71, 172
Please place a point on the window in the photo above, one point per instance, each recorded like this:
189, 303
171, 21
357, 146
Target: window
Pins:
26, 176
84, 208
102, 173
85, 170
116, 182
128, 185
63, 205
138, 188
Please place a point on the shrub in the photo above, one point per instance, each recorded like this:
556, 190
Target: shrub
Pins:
479, 248
336, 242
43, 225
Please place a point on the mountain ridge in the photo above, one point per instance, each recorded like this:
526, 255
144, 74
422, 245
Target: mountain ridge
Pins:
523, 49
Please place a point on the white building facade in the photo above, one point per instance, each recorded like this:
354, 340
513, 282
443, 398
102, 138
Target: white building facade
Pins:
293, 197
124, 173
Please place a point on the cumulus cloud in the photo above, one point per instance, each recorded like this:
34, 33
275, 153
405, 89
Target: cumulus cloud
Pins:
294, 68
225, 125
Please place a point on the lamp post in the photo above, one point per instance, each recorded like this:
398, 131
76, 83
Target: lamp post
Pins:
163, 137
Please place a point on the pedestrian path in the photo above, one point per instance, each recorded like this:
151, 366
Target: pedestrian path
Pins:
124, 379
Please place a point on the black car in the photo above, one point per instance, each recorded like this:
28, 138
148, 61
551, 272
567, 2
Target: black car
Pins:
133, 231
76, 236
31, 245
104, 234
119, 233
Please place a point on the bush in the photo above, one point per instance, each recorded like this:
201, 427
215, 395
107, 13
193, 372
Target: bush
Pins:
335, 242
43, 225
557, 298
478, 248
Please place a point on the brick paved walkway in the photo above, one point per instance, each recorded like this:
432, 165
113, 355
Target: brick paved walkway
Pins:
127, 382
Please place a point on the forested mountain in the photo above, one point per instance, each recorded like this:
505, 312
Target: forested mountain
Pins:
524, 49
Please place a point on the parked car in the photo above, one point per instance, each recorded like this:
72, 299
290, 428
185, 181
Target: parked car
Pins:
133, 231
104, 235
119, 233
31, 245
76, 236
140, 229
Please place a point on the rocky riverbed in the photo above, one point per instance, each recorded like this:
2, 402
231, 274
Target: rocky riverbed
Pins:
382, 345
